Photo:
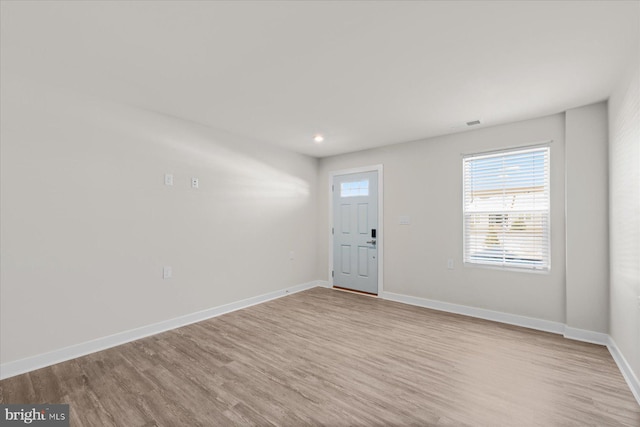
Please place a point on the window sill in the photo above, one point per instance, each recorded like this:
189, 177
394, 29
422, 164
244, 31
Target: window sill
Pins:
546, 271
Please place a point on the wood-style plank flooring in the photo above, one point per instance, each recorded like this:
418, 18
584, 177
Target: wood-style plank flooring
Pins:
326, 357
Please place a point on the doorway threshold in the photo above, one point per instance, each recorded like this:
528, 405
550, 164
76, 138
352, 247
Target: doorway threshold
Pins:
353, 291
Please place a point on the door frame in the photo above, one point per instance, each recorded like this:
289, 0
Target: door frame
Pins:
380, 230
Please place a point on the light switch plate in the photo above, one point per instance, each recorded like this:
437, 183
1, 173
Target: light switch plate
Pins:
168, 179
404, 220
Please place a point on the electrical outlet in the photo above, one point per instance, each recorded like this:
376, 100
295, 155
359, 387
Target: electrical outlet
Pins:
195, 182
404, 220
168, 179
166, 272
450, 264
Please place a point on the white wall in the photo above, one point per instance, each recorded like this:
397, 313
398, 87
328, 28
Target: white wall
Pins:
424, 180
87, 223
587, 198
624, 214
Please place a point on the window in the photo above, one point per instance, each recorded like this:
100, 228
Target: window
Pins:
354, 188
506, 209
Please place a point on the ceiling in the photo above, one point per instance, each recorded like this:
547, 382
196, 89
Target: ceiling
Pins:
363, 74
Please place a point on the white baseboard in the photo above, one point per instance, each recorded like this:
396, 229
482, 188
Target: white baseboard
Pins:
28, 364
481, 313
625, 368
586, 336
323, 283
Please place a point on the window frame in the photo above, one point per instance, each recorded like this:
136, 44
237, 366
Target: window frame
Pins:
506, 266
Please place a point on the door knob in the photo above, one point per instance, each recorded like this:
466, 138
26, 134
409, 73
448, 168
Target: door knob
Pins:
373, 241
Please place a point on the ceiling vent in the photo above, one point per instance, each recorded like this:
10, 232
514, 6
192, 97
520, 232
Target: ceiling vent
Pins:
473, 123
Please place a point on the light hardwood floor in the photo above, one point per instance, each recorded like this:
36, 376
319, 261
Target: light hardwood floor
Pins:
335, 358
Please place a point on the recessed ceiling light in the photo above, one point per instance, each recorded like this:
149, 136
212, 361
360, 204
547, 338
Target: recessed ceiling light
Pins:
318, 138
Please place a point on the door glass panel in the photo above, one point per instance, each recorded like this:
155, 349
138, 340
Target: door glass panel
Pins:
354, 188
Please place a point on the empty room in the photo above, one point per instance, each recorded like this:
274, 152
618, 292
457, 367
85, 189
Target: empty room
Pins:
338, 213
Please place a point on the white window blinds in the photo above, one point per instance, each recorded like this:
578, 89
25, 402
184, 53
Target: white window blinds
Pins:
506, 209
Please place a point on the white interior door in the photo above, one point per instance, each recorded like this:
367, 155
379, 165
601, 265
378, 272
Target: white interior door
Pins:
355, 226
